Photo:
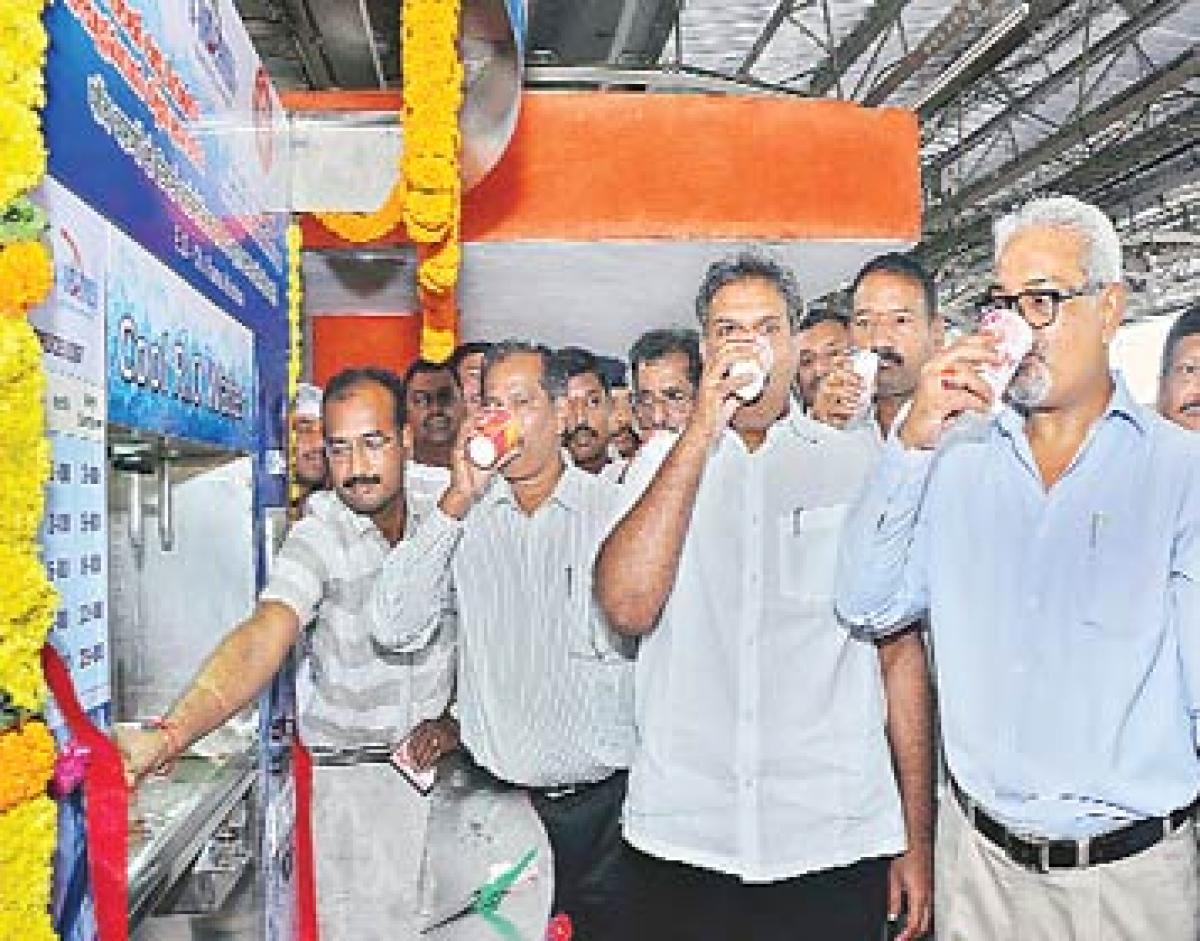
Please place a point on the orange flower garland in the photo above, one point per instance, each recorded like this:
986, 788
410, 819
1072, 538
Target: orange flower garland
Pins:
27, 757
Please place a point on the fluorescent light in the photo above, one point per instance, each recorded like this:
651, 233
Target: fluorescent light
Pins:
983, 44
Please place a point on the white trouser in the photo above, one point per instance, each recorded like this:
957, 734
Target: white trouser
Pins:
982, 895
369, 828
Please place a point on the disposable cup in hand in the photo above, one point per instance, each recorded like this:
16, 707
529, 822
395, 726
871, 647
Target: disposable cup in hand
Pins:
756, 368
1014, 341
865, 365
493, 440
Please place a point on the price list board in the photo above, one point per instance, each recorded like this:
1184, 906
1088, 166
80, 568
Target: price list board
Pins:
74, 539
74, 536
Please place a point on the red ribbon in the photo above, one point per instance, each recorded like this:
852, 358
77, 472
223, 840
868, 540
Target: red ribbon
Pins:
106, 806
306, 880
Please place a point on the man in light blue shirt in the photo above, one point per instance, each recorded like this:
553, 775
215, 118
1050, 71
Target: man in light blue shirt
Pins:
1056, 551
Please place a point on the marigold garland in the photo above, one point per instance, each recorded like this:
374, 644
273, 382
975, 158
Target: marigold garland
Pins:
433, 92
427, 195
359, 227
26, 763
27, 601
27, 834
26, 274
295, 295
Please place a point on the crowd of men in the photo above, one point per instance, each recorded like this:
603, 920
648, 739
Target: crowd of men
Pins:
693, 628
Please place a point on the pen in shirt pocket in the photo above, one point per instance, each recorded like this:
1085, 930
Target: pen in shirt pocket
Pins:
1098, 520
569, 581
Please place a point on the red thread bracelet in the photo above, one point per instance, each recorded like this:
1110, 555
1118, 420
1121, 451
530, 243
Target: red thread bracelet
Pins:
170, 731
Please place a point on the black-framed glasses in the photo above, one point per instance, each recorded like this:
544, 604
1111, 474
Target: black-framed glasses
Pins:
670, 397
373, 443
1039, 306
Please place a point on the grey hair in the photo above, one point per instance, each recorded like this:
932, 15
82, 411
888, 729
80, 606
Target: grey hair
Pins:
1102, 246
553, 379
745, 266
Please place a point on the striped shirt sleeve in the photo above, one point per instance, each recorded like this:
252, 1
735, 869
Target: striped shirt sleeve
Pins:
299, 571
409, 595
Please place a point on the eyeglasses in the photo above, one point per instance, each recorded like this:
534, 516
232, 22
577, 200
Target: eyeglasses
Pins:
669, 398
373, 443
1039, 306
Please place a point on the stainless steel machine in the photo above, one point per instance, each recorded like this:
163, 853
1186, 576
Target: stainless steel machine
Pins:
181, 574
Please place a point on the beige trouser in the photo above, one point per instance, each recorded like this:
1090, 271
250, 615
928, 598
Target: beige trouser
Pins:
982, 895
369, 829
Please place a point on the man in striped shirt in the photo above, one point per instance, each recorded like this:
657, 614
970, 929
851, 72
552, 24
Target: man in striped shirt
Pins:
545, 689
368, 822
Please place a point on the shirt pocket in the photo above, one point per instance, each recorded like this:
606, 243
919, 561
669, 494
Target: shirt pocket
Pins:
808, 552
1115, 582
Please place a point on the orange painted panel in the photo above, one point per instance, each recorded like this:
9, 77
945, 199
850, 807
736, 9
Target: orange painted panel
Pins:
364, 99
338, 341
589, 166
629, 166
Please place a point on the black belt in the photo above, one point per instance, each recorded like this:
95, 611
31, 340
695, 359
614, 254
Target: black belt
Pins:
1044, 855
559, 791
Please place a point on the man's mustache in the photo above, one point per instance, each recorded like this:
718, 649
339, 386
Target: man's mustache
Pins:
889, 356
365, 481
579, 431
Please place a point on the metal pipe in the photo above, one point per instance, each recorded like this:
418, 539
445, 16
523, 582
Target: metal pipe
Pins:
136, 521
166, 516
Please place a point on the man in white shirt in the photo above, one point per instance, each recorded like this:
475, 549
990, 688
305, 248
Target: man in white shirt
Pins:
588, 431
666, 373
762, 796
436, 410
893, 302
467, 363
625, 439
821, 341
1179, 379
354, 702
545, 688
311, 470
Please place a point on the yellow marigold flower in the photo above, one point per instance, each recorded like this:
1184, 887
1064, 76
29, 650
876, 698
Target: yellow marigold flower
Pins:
27, 836
437, 345
20, 356
26, 276
26, 763
429, 216
438, 271
429, 173
22, 152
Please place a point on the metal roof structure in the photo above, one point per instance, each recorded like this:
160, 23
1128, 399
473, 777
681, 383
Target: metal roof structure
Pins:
1099, 98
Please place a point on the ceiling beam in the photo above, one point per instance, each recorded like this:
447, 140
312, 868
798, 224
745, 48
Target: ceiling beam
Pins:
307, 40
1178, 72
1143, 182
881, 16
962, 16
990, 59
1112, 42
763, 39
1114, 165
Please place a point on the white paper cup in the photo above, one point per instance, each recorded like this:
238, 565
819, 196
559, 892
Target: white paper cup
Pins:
1015, 338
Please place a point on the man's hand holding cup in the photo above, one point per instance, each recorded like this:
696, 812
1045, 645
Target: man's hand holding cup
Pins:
951, 383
